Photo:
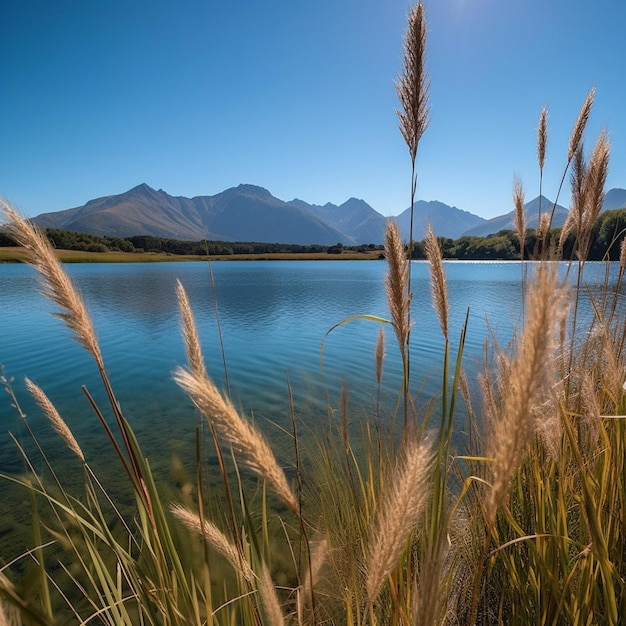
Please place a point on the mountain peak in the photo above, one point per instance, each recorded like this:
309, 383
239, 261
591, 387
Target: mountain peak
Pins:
143, 188
252, 190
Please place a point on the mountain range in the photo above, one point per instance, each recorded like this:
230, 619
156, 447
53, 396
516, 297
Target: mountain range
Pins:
252, 213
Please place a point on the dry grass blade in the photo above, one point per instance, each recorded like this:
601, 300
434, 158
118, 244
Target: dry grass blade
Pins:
57, 285
396, 283
398, 514
437, 281
55, 419
240, 434
215, 538
412, 85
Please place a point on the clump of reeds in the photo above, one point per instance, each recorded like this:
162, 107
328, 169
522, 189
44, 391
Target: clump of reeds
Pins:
527, 384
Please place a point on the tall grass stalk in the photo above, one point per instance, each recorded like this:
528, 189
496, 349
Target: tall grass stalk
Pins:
412, 88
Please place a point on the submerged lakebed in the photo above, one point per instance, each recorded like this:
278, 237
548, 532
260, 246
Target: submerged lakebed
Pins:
273, 319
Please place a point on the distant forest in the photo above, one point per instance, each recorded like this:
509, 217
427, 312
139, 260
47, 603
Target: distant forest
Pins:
607, 235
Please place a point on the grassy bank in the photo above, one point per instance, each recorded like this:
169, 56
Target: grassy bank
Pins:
18, 255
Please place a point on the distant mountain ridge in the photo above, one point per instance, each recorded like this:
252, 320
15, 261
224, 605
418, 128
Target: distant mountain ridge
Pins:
243, 213
252, 213
531, 212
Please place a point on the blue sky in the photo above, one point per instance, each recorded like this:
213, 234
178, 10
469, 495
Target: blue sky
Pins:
197, 96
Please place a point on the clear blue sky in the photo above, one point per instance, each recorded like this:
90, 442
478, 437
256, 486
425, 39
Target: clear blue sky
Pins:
197, 96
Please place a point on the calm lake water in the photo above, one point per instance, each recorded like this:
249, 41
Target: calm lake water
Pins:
274, 317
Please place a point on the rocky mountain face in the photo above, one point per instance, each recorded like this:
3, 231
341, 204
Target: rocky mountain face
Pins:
252, 213
243, 213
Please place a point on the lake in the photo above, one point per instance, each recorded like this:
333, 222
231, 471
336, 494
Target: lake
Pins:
274, 316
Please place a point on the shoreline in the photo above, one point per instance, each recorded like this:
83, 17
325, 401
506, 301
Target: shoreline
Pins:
18, 255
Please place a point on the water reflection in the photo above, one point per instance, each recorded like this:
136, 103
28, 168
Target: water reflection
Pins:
274, 316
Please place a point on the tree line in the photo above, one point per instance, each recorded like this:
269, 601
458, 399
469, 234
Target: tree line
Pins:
607, 235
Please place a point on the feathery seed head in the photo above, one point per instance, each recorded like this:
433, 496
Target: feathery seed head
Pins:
380, 354
527, 383
412, 85
520, 217
397, 282
542, 137
596, 179
55, 419
57, 286
543, 226
214, 537
190, 333
399, 514
438, 285
240, 434
579, 126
